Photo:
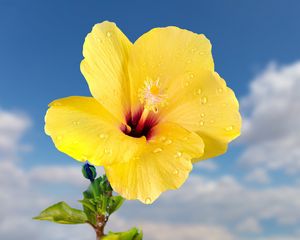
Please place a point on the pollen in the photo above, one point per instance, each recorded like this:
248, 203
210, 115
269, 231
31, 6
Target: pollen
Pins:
152, 95
154, 90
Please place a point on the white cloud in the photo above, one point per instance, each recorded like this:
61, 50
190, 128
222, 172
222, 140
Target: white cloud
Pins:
258, 176
271, 127
206, 165
222, 202
60, 174
57, 174
164, 231
155, 230
12, 127
221, 208
249, 225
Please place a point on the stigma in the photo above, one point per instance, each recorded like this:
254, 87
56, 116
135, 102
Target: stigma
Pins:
152, 96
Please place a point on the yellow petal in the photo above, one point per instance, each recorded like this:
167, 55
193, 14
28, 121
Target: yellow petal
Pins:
164, 163
164, 54
104, 66
207, 106
85, 130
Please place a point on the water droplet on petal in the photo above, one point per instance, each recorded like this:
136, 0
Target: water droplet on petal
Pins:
189, 61
191, 75
108, 151
76, 123
157, 150
148, 200
175, 172
185, 138
194, 50
108, 34
229, 128
202, 115
187, 83
99, 40
178, 154
212, 121
56, 104
198, 91
220, 90
162, 138
169, 141
201, 123
201, 53
203, 100
103, 136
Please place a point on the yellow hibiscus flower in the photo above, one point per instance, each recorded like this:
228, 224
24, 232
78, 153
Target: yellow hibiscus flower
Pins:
158, 106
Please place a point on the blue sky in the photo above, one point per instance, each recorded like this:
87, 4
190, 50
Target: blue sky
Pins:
41, 43
255, 43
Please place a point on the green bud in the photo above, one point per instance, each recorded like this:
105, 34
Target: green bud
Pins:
89, 172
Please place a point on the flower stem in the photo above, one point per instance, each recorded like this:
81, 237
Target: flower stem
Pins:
99, 227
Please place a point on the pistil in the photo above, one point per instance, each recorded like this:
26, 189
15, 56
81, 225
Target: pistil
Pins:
142, 120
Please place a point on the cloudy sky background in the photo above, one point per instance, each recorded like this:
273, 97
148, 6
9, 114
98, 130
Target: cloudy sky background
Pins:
252, 192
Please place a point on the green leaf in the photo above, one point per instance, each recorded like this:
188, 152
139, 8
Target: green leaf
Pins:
132, 234
88, 204
62, 213
115, 203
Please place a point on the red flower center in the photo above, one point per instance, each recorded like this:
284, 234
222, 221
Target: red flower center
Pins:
134, 127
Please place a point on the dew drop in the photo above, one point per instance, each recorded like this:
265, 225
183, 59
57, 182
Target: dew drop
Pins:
189, 61
155, 109
202, 115
76, 123
187, 83
185, 138
57, 104
175, 172
162, 138
103, 136
212, 121
169, 141
201, 123
201, 53
198, 91
203, 100
108, 34
178, 154
148, 200
229, 128
191, 75
99, 40
194, 50
157, 150
220, 90
108, 151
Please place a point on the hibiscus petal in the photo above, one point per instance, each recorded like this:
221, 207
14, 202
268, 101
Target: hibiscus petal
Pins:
165, 54
207, 106
104, 66
85, 130
164, 164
